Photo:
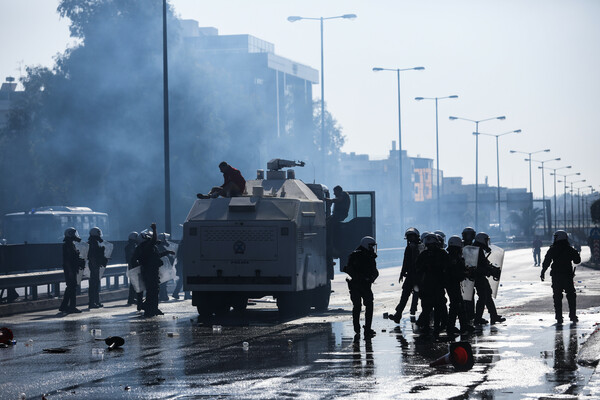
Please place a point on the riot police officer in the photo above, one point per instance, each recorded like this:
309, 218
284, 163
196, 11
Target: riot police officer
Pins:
147, 255
560, 255
482, 285
72, 263
468, 235
455, 274
96, 260
129, 250
407, 273
430, 267
362, 269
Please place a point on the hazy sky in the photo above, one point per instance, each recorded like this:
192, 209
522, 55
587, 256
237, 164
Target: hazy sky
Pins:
535, 61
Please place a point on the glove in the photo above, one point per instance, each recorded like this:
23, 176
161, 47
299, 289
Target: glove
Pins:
542, 276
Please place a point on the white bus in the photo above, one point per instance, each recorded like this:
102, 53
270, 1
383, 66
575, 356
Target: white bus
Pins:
47, 224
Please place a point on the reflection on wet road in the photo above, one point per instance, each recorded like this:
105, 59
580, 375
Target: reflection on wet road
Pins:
315, 357
179, 358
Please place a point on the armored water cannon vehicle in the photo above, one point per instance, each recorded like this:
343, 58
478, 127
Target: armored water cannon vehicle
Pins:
270, 241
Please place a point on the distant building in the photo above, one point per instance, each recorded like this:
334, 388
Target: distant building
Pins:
457, 201
281, 87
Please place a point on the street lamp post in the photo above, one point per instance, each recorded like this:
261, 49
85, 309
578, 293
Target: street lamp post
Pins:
555, 212
437, 149
476, 159
498, 165
398, 70
323, 136
544, 188
564, 181
572, 209
166, 123
529, 157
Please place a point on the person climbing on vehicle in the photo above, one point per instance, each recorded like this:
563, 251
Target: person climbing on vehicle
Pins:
233, 185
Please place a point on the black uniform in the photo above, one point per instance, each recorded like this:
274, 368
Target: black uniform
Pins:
72, 263
133, 296
96, 261
408, 274
362, 269
561, 254
484, 290
430, 267
454, 275
147, 255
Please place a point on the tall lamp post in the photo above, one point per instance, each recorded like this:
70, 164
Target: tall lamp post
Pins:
529, 157
498, 165
437, 148
580, 206
397, 71
564, 181
295, 18
555, 212
166, 124
572, 209
543, 187
476, 159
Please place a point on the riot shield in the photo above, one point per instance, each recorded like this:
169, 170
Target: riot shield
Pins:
166, 272
82, 248
108, 248
496, 258
467, 286
135, 277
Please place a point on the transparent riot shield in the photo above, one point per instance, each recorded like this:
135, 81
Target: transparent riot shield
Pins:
108, 249
135, 277
82, 248
496, 258
166, 272
467, 286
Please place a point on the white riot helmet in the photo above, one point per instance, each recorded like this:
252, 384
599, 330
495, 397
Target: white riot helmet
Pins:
95, 231
368, 243
71, 233
133, 236
560, 235
455, 241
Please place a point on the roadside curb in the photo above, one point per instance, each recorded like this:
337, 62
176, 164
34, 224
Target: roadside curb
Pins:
20, 307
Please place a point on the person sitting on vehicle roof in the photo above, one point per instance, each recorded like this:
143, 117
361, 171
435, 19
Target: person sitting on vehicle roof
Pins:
233, 185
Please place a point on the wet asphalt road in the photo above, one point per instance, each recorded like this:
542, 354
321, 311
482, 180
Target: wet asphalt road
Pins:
174, 356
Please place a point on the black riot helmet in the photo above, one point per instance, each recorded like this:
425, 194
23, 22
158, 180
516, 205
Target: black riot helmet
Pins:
412, 235
468, 235
482, 240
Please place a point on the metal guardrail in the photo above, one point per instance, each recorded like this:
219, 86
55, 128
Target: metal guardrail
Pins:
32, 280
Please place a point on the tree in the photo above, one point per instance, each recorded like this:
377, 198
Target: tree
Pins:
527, 220
89, 130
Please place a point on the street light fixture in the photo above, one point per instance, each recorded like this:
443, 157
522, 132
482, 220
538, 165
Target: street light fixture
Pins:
295, 18
398, 70
555, 205
437, 151
498, 165
476, 158
543, 188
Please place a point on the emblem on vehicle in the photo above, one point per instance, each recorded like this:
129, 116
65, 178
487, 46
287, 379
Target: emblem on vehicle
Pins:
239, 247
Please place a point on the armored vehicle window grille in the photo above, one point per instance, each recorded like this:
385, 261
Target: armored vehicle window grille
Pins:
246, 235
